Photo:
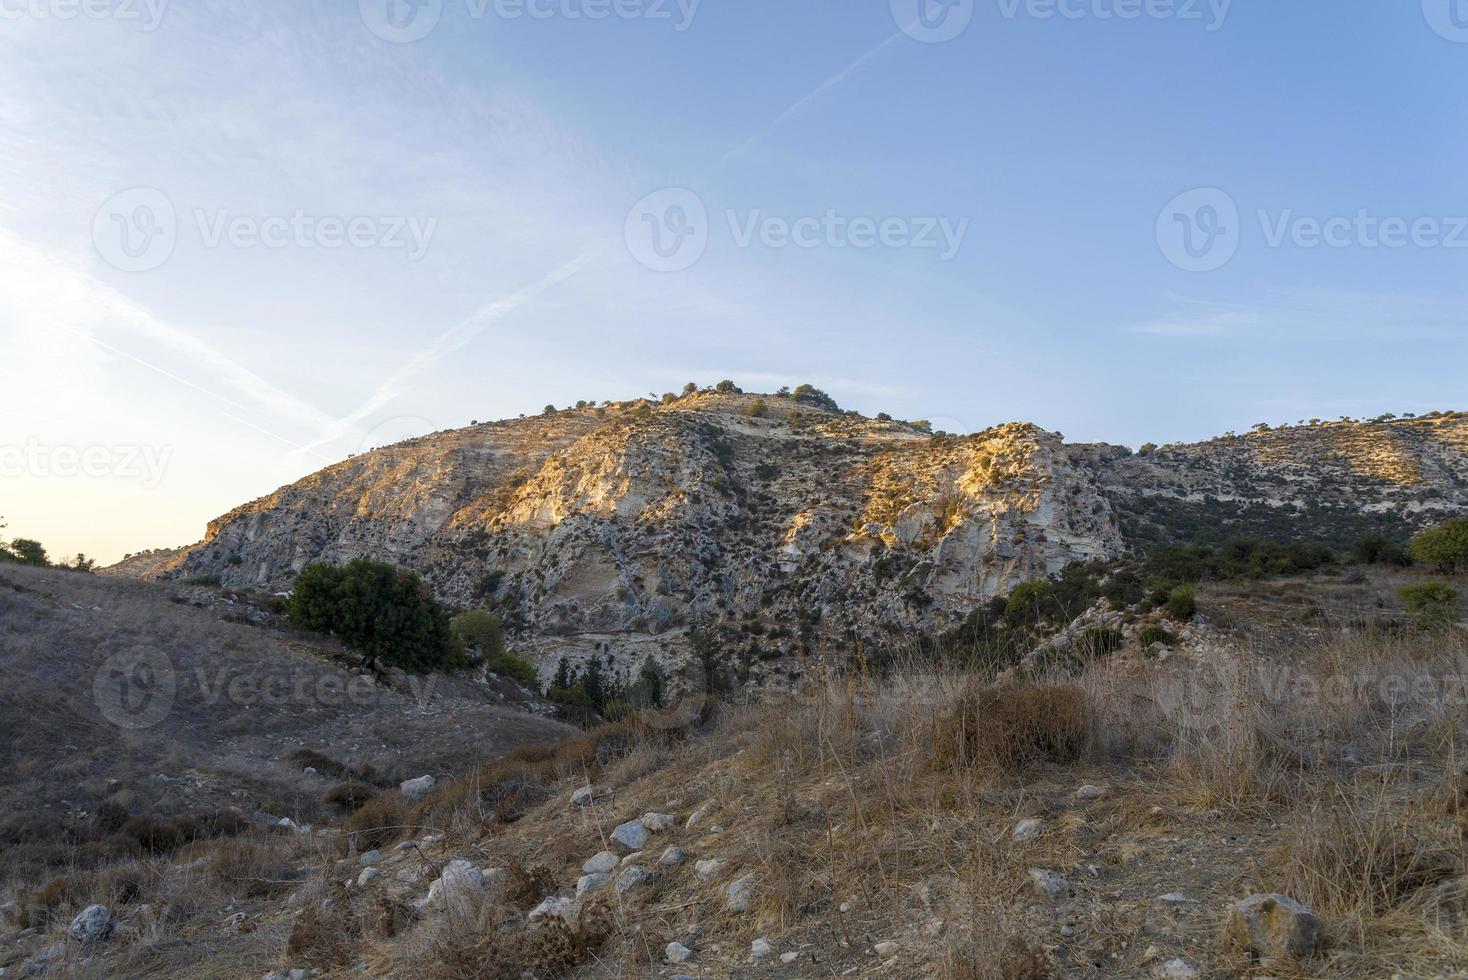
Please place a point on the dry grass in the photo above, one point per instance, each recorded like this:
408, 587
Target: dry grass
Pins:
1011, 728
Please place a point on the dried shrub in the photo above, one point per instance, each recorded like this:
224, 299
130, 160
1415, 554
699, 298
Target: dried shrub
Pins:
1011, 727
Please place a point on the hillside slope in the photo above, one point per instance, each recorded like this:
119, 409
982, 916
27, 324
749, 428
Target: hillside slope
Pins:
613, 529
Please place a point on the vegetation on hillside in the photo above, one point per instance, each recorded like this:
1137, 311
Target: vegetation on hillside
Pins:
382, 612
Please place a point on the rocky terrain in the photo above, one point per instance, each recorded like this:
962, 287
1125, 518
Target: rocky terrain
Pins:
613, 529
1220, 806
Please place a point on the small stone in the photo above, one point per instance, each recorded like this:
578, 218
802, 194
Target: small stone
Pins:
583, 796
886, 948
368, 874
591, 882
677, 953
1048, 883
1067, 932
672, 856
1175, 969
631, 835
634, 877
740, 894
1175, 898
760, 948
370, 858
601, 863
697, 816
557, 908
1027, 830
416, 789
657, 822
94, 924
1274, 925
789, 957
1090, 792
633, 858
708, 868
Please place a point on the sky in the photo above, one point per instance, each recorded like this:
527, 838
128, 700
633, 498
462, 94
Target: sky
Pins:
240, 241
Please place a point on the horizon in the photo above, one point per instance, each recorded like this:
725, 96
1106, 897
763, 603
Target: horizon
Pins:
243, 244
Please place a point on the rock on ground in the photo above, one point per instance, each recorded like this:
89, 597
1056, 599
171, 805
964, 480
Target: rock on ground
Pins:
678, 953
93, 924
1274, 925
740, 894
601, 863
416, 789
631, 835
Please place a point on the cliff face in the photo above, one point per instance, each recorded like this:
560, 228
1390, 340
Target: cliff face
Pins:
614, 529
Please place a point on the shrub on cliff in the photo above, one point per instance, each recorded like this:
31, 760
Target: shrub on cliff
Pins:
383, 612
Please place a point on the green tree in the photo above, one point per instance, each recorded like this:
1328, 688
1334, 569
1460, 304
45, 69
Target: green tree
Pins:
1444, 547
727, 387
648, 690
384, 613
29, 552
563, 678
811, 395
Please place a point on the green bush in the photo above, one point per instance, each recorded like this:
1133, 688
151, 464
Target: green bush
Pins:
1433, 604
1099, 641
382, 612
757, 409
1378, 549
511, 664
1182, 603
480, 630
1153, 633
1444, 547
1030, 602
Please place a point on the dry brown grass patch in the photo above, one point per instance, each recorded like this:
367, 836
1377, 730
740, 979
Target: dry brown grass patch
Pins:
1011, 728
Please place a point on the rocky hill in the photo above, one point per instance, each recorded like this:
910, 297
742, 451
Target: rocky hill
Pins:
612, 529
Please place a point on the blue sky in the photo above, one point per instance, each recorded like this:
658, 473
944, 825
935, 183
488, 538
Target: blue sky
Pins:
497, 170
